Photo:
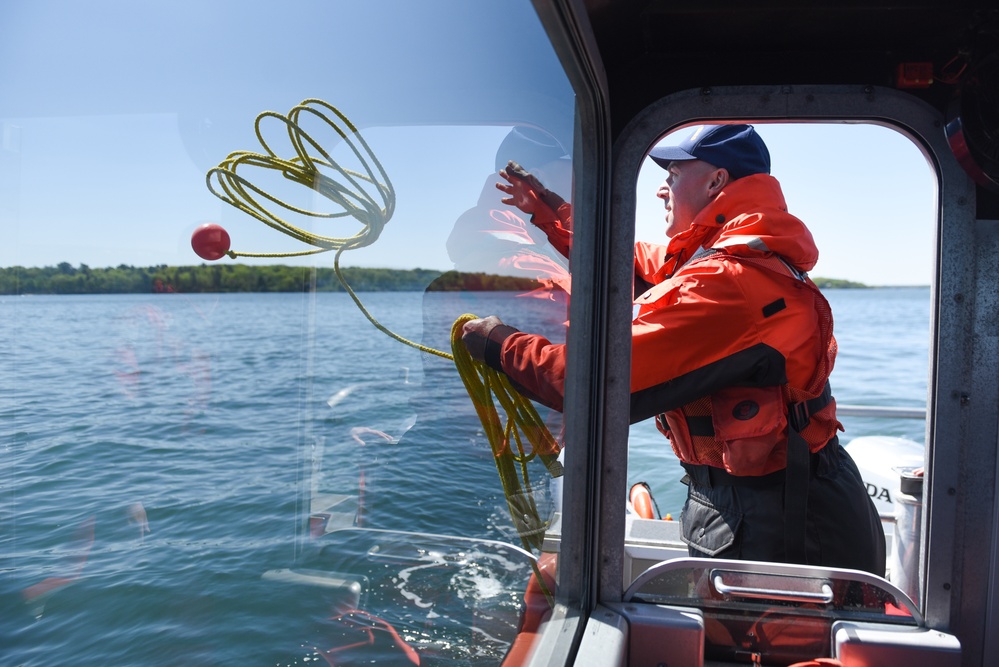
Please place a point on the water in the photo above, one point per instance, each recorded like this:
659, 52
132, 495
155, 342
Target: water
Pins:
208, 418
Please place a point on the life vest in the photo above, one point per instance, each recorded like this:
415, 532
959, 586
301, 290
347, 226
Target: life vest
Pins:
744, 429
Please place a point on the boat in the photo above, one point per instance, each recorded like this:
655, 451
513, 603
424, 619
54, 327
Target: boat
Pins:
595, 581
633, 596
653, 66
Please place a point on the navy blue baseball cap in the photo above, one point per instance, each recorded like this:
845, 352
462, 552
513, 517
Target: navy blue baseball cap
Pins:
736, 148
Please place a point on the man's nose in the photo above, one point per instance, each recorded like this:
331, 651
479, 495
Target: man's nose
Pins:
663, 192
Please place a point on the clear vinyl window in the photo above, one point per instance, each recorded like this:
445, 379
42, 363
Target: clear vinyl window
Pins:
227, 458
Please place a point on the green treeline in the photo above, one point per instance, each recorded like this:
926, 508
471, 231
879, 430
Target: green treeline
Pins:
123, 279
836, 283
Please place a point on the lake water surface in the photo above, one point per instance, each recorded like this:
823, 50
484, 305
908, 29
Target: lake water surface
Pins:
159, 454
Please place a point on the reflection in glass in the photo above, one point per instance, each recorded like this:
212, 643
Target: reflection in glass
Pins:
228, 462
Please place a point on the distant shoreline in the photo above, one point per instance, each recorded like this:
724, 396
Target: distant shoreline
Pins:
123, 279
835, 283
242, 278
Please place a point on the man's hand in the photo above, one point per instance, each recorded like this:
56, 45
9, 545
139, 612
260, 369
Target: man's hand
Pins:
523, 189
475, 333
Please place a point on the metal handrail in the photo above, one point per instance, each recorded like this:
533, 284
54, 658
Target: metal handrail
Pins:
879, 411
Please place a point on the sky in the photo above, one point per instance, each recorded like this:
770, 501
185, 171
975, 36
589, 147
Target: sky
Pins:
103, 157
866, 192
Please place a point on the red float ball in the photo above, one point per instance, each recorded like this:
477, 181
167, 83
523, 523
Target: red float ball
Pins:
210, 241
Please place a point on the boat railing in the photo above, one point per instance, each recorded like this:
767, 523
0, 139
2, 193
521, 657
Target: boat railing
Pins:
880, 411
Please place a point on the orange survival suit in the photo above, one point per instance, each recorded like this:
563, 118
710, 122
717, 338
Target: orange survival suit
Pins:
747, 333
732, 348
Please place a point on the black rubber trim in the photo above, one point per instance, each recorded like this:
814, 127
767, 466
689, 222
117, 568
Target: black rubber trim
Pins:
756, 366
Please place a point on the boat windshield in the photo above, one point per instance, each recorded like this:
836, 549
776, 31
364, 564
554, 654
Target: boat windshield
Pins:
234, 240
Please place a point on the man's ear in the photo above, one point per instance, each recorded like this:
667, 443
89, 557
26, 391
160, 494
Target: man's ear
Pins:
719, 179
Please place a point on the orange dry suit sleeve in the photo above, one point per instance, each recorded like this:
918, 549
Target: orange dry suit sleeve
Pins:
556, 224
650, 265
534, 365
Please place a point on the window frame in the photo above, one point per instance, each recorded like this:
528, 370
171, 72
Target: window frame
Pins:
951, 425
959, 496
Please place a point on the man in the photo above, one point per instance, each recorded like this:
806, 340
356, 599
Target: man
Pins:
732, 349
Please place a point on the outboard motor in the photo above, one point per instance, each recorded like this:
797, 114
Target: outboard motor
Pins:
879, 457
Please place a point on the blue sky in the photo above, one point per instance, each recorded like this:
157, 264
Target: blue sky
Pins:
112, 114
869, 202
866, 192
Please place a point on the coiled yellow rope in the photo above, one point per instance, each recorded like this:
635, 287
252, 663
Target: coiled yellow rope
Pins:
368, 196
358, 194
483, 385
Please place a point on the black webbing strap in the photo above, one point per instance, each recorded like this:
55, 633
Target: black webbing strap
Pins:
798, 472
796, 496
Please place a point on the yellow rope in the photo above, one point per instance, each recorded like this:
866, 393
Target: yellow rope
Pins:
483, 384
359, 195
356, 193
523, 423
368, 196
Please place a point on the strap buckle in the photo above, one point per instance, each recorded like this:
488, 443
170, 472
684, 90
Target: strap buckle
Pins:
798, 415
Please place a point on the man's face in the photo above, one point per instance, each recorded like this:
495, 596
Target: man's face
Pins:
688, 188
